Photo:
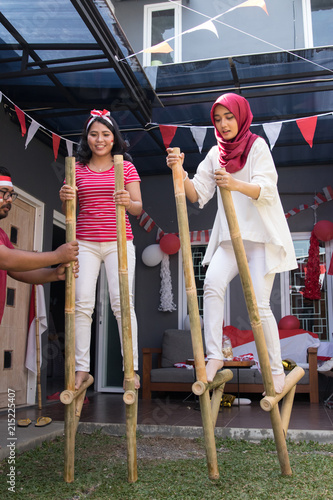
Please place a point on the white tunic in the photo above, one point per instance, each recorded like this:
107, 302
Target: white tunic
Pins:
260, 220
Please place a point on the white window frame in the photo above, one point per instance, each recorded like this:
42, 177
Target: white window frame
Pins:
182, 297
147, 26
307, 23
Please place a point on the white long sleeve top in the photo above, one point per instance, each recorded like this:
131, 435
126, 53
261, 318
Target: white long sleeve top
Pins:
260, 220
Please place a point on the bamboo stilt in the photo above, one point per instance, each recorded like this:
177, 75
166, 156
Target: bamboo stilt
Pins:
257, 329
192, 302
67, 396
216, 402
131, 405
70, 422
287, 406
39, 385
292, 378
220, 378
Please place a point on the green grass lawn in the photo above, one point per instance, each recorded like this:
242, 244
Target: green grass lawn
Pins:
248, 471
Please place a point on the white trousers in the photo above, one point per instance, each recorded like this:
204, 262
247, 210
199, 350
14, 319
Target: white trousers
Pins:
222, 269
91, 255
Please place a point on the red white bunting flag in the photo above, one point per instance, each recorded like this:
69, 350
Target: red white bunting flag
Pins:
168, 133
272, 130
199, 134
145, 221
56, 142
252, 3
21, 118
307, 127
160, 48
34, 126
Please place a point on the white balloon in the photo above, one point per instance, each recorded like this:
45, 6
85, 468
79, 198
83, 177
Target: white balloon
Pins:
187, 325
152, 255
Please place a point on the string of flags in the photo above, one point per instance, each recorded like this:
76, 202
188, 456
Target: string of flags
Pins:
34, 126
306, 125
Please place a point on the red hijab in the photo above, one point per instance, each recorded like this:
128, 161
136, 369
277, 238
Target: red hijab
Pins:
233, 154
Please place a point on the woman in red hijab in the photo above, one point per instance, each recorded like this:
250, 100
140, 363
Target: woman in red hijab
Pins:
242, 163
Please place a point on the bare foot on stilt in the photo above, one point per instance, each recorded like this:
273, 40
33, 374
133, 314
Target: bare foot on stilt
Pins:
80, 377
279, 382
212, 367
136, 382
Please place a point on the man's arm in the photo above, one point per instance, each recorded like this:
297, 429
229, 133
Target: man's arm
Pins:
45, 275
13, 260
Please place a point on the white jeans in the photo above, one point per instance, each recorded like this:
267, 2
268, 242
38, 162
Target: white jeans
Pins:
222, 269
91, 255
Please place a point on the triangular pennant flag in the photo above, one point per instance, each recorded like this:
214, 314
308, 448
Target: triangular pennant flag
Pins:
34, 126
21, 118
160, 48
199, 134
208, 25
252, 3
56, 141
168, 133
69, 145
307, 127
272, 130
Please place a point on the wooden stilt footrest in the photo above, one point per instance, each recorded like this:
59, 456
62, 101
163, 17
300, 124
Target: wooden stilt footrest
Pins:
67, 396
268, 402
220, 378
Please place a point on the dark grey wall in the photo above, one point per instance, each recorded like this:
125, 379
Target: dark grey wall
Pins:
250, 27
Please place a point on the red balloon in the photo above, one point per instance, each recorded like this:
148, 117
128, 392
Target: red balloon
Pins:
289, 323
170, 244
324, 230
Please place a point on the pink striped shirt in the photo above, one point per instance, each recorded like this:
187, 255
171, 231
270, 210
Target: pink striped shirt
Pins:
97, 211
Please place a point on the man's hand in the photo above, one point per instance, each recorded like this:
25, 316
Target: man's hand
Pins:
61, 270
67, 252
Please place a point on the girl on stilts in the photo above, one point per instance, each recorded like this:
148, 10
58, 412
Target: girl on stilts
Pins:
96, 229
242, 163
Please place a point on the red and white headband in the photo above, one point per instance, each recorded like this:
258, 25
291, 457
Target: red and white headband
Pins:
105, 114
5, 181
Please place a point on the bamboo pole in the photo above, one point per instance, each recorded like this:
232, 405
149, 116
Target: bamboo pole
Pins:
216, 402
39, 385
287, 406
192, 303
67, 396
220, 378
130, 401
70, 423
292, 378
256, 325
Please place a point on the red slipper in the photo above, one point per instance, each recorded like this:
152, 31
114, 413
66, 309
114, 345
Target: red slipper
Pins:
54, 396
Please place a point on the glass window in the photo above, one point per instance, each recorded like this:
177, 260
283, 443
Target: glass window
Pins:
312, 314
162, 22
322, 22
318, 19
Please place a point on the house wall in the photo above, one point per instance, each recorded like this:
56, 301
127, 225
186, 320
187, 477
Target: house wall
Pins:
34, 171
249, 27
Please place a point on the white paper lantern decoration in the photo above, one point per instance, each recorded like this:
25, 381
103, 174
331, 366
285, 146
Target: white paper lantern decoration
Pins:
152, 255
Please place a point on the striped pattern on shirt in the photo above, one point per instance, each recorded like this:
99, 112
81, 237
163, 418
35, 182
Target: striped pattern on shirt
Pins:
97, 211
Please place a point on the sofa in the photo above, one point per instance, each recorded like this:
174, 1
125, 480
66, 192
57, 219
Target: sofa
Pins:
161, 374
